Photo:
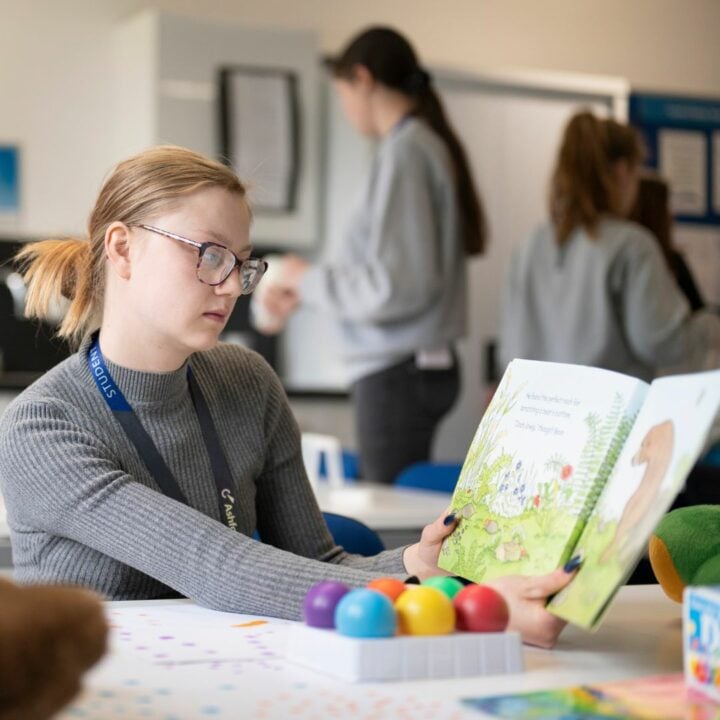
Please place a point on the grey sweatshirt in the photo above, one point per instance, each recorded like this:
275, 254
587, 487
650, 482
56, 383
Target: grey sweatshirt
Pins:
608, 301
83, 508
397, 282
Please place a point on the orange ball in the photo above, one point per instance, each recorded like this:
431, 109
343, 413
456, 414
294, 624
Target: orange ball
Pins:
424, 610
392, 587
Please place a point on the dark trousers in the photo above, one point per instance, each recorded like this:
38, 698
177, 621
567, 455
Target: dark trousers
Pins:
397, 411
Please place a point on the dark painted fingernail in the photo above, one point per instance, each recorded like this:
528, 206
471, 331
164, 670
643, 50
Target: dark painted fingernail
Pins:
412, 580
573, 564
449, 519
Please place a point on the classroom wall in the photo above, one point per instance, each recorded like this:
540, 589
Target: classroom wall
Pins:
56, 64
57, 79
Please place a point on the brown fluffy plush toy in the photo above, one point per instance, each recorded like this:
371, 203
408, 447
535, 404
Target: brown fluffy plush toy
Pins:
49, 636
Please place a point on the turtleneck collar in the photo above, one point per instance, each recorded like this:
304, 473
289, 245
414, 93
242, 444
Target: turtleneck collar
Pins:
139, 386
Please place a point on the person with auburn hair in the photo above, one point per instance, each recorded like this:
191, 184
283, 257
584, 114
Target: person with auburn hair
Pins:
652, 210
396, 289
592, 288
142, 465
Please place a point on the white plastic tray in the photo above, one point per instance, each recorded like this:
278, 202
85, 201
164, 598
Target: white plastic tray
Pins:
405, 657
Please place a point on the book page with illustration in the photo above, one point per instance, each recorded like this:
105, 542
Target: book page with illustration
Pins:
665, 442
537, 463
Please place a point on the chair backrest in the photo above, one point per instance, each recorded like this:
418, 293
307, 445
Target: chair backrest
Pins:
350, 466
355, 536
440, 477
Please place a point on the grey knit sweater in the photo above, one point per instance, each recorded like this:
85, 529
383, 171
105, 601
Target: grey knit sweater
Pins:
83, 508
607, 301
397, 283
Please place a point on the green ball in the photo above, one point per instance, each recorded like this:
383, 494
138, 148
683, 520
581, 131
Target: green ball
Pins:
450, 586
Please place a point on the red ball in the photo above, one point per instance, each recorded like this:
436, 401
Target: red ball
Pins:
479, 608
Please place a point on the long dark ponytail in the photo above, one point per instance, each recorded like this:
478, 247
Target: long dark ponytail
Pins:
391, 60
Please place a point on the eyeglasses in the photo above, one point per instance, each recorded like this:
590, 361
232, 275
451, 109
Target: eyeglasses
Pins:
216, 262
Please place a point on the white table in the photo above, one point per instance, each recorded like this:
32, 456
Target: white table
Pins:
163, 667
398, 514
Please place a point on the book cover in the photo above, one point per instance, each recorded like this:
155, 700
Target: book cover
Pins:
573, 460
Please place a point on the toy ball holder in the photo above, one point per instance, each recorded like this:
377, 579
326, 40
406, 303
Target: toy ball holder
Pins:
390, 631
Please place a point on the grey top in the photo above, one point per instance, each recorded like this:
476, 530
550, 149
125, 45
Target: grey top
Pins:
83, 509
397, 283
608, 301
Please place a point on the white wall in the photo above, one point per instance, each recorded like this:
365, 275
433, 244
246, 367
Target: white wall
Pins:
56, 64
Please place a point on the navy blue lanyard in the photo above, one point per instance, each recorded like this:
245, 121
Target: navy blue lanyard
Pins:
143, 443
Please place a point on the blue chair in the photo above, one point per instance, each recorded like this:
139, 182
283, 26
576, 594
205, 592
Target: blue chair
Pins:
351, 470
712, 457
440, 477
355, 536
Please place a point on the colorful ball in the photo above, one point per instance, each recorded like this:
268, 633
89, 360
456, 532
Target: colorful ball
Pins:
320, 603
424, 610
449, 585
365, 613
392, 587
480, 608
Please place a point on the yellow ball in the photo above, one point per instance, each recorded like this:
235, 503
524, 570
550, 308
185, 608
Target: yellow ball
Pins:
424, 610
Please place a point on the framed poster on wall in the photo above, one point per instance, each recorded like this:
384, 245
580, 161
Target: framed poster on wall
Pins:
682, 135
259, 131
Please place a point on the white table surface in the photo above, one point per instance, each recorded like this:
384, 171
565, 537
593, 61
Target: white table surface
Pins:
156, 671
383, 507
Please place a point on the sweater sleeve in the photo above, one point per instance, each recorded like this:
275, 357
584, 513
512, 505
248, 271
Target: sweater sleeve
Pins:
397, 274
658, 322
288, 513
58, 478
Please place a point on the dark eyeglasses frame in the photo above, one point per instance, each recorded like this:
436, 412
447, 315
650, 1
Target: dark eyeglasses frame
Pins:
260, 266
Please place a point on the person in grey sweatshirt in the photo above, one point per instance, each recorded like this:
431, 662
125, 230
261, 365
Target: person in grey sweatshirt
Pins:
141, 466
396, 288
591, 287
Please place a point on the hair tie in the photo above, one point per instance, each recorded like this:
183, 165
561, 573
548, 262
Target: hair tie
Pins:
418, 81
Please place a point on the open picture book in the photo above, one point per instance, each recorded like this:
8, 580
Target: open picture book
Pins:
572, 460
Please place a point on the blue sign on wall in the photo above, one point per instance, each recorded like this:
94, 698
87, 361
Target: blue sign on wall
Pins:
683, 142
9, 180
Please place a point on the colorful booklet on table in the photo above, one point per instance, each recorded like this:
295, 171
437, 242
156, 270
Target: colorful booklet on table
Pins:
572, 460
658, 697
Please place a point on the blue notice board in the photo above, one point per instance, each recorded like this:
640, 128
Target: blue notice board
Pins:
9, 180
683, 142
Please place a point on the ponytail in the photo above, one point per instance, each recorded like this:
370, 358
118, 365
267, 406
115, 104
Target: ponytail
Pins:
391, 60
472, 216
583, 187
58, 270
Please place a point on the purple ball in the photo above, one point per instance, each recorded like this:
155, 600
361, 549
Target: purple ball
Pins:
320, 602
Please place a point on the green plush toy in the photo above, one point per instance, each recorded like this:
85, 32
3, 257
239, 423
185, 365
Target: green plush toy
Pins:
685, 549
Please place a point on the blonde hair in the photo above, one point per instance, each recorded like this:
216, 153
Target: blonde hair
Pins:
138, 188
583, 187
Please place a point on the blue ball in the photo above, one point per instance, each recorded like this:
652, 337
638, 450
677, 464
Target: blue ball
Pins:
365, 613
